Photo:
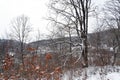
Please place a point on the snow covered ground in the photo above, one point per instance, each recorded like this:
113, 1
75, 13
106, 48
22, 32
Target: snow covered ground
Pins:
93, 73
90, 73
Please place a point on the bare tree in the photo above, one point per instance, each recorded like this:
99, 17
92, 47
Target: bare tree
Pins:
112, 16
75, 11
38, 38
21, 28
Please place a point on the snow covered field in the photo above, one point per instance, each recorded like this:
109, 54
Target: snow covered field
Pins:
94, 73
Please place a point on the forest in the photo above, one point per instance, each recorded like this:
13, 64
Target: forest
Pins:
69, 52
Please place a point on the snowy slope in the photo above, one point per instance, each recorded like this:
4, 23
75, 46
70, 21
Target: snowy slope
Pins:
93, 73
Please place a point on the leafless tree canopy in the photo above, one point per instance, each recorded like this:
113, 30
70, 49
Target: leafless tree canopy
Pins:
21, 28
112, 17
72, 14
20, 32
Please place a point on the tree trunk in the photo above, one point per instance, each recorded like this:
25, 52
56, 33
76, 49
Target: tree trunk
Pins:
85, 52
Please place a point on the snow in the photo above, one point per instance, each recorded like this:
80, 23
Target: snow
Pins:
113, 76
93, 73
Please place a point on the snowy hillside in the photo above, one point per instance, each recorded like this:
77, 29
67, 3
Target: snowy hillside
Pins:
94, 73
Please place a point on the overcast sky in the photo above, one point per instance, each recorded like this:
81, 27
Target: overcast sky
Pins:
35, 9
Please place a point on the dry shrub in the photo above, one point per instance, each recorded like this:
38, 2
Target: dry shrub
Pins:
48, 56
100, 57
31, 49
31, 68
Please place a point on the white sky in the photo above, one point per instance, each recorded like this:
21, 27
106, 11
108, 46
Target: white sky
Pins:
35, 9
